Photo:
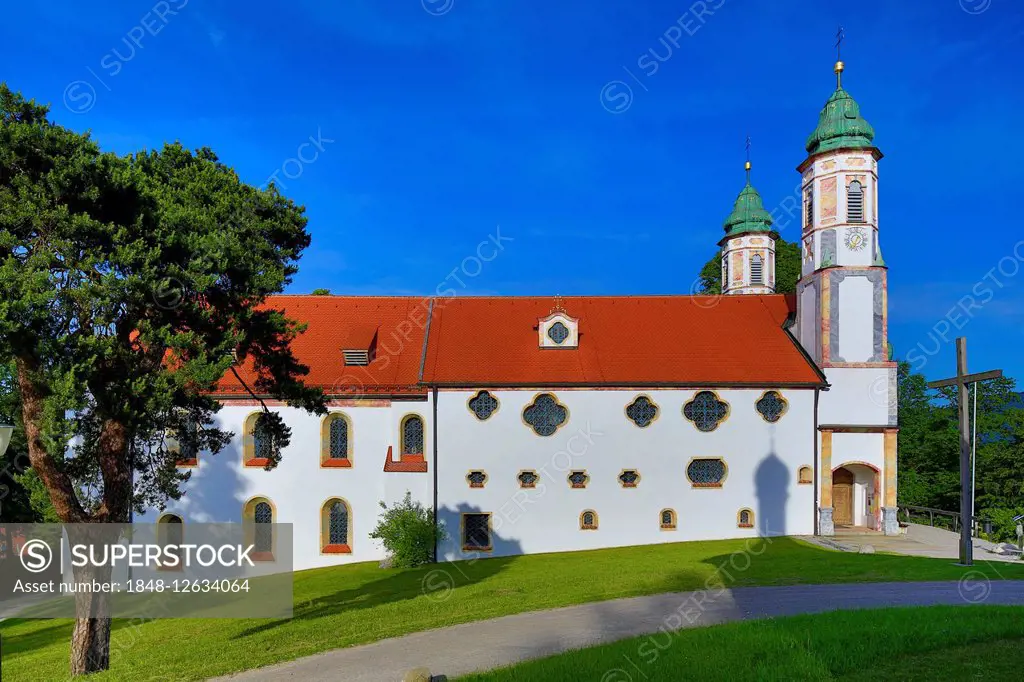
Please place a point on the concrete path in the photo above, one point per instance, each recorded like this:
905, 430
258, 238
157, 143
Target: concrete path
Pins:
483, 645
920, 540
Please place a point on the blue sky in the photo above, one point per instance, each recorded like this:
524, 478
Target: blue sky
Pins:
439, 120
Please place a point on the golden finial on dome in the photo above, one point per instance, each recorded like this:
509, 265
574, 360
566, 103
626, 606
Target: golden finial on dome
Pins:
746, 166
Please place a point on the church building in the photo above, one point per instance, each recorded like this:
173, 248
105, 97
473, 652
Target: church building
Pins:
547, 424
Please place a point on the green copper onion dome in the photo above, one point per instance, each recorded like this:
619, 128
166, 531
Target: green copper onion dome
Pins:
840, 125
748, 214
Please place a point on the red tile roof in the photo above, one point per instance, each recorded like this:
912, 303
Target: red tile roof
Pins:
336, 321
624, 341
493, 341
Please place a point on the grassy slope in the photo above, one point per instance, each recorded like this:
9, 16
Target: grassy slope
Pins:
917, 644
337, 607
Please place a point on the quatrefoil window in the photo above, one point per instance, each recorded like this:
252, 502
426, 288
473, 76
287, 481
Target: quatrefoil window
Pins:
706, 411
545, 414
578, 479
528, 479
483, 405
771, 406
476, 479
642, 411
558, 333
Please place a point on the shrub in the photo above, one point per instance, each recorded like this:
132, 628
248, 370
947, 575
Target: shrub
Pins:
408, 531
1004, 528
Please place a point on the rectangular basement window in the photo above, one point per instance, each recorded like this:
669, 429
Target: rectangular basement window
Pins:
476, 532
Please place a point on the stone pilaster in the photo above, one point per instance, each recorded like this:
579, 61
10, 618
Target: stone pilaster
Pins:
825, 525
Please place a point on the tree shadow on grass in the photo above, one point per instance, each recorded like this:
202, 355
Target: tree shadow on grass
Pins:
434, 582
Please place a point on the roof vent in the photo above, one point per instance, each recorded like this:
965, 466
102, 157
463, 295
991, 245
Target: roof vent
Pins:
358, 344
356, 357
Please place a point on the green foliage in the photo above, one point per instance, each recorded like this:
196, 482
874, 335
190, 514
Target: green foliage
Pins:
408, 531
321, 292
787, 270
1004, 528
126, 284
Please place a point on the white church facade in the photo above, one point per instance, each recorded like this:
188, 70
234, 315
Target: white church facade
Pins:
546, 424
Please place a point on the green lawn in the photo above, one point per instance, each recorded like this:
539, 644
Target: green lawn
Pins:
337, 607
910, 645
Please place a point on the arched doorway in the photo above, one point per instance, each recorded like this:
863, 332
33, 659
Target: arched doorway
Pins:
855, 496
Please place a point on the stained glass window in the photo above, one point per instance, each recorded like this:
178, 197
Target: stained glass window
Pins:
476, 479
772, 406
545, 414
339, 438
338, 523
668, 518
578, 479
483, 405
588, 520
642, 411
558, 333
412, 436
263, 515
262, 442
476, 531
706, 472
528, 479
706, 411
629, 478
746, 518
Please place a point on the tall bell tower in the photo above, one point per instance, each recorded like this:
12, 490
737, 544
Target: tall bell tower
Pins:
842, 318
748, 247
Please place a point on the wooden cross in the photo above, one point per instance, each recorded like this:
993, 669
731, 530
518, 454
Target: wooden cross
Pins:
961, 380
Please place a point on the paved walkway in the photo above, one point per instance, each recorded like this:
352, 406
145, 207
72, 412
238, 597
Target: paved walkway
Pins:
919, 540
483, 645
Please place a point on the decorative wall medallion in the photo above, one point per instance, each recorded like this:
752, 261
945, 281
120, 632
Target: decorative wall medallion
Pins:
856, 161
856, 239
828, 165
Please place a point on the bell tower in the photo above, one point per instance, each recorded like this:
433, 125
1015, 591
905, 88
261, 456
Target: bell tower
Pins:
748, 247
842, 317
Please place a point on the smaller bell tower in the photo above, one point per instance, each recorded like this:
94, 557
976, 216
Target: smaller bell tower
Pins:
748, 247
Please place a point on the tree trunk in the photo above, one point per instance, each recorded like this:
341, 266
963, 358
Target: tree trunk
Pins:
90, 646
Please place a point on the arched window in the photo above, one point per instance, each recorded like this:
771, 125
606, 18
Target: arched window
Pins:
336, 441
756, 269
545, 414
706, 411
258, 519
257, 443
668, 519
805, 475
855, 202
335, 527
170, 533
588, 520
745, 518
412, 435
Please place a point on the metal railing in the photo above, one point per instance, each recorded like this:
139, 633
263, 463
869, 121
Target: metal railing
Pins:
940, 518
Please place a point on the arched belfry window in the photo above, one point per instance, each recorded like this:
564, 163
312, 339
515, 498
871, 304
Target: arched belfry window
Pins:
855, 202
809, 208
412, 435
756, 269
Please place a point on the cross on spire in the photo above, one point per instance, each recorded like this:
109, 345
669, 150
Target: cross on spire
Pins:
840, 34
557, 308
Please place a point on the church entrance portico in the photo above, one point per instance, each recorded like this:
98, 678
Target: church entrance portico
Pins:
856, 497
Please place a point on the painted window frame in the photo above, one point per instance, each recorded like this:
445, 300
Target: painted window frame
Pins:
401, 436
249, 526
462, 533
326, 546
578, 486
589, 526
785, 406
800, 480
661, 519
629, 486
718, 424
707, 486
476, 396
326, 461
249, 458
529, 486
533, 402
657, 410
750, 518
478, 486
